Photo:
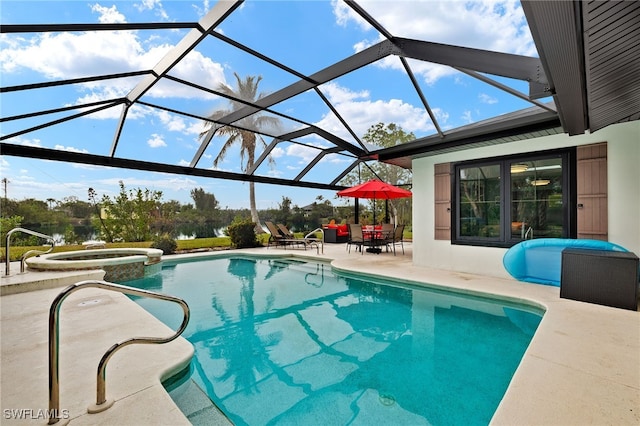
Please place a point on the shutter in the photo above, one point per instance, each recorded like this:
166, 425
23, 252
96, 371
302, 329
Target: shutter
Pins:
592, 217
442, 201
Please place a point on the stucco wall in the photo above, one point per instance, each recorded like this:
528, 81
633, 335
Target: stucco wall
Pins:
623, 157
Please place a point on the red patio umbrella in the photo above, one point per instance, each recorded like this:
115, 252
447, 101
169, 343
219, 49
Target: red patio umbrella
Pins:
376, 190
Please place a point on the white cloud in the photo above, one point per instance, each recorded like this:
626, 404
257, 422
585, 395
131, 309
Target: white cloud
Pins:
338, 94
344, 14
70, 149
19, 140
201, 11
108, 15
491, 25
486, 99
74, 55
171, 121
156, 141
155, 5
304, 153
156, 182
361, 112
277, 152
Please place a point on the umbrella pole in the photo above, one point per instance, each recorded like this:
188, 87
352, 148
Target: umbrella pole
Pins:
372, 249
386, 210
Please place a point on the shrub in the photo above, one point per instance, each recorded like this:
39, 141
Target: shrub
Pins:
243, 234
165, 243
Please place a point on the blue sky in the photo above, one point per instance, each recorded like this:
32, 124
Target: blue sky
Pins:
307, 36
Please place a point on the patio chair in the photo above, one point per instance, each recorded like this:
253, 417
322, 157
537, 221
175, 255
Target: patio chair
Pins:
386, 234
356, 237
398, 238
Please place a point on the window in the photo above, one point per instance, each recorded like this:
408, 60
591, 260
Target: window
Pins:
499, 202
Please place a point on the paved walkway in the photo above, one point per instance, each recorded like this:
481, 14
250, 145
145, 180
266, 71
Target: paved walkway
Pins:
582, 367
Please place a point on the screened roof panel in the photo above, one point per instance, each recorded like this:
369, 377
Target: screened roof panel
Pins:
367, 105
313, 110
288, 160
495, 26
92, 135
268, 123
43, 100
298, 33
308, 107
329, 70
329, 166
229, 159
218, 55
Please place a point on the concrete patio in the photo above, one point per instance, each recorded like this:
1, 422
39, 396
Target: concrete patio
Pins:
582, 366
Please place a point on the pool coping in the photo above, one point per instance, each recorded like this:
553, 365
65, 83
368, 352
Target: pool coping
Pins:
581, 367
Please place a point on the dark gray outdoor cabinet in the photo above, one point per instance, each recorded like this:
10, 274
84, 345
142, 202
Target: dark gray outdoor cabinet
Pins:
607, 278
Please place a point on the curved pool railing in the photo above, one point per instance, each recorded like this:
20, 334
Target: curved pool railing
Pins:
54, 336
24, 256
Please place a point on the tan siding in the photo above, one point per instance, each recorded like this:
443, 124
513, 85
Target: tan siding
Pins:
442, 201
592, 191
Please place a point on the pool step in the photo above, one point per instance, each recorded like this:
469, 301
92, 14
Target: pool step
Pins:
197, 406
300, 266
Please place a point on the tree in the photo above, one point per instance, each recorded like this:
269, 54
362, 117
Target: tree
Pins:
386, 136
205, 202
6, 225
104, 230
207, 213
75, 208
247, 91
130, 215
283, 214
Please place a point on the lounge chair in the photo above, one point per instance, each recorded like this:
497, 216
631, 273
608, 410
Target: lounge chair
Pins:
285, 232
276, 238
285, 238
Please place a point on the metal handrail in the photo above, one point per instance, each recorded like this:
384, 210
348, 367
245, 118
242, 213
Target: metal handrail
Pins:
319, 242
23, 258
530, 230
54, 313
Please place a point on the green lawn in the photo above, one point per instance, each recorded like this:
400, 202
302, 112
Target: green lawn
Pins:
183, 245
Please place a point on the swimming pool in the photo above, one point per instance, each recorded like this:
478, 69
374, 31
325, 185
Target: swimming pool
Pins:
280, 341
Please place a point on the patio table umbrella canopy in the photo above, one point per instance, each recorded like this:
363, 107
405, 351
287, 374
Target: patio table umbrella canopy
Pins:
376, 190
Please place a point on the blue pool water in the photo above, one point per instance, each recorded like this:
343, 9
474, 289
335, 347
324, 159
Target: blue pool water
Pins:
280, 341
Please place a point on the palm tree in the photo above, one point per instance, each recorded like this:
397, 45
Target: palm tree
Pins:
247, 91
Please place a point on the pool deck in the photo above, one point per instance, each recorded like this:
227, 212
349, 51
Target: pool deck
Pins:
582, 366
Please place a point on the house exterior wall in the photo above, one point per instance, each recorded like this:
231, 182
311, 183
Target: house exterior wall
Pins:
623, 162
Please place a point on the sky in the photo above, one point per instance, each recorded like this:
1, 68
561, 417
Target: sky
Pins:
305, 35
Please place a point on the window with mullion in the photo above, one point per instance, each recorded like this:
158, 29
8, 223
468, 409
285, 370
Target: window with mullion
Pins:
501, 201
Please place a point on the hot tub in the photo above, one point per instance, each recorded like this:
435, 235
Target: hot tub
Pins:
119, 264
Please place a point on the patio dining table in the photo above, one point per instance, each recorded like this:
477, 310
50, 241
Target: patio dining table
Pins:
374, 238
